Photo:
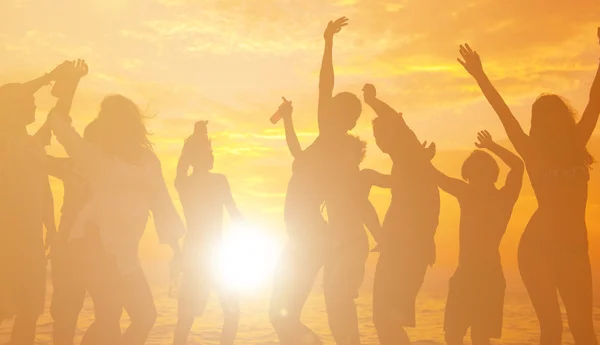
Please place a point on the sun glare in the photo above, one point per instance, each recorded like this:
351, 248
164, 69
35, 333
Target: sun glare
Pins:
246, 258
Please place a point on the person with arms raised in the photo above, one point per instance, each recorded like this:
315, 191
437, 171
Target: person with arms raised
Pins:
409, 226
126, 183
553, 251
345, 264
476, 295
26, 206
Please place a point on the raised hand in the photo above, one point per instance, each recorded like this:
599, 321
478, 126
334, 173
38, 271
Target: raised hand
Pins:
334, 27
430, 150
369, 93
485, 140
60, 70
81, 69
471, 61
286, 108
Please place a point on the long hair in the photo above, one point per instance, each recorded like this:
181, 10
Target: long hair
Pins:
121, 131
554, 132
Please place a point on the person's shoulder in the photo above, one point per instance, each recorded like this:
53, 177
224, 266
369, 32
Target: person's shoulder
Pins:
219, 178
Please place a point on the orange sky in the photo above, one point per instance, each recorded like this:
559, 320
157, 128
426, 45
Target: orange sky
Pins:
230, 61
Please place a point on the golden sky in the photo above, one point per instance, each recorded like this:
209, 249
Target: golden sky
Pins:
230, 61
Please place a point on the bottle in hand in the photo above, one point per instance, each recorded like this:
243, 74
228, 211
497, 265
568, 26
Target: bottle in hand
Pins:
278, 114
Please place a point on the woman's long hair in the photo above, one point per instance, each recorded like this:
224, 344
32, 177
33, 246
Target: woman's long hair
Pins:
554, 132
121, 131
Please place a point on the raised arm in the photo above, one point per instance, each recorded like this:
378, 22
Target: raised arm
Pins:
291, 138
514, 179
326, 76
589, 119
472, 63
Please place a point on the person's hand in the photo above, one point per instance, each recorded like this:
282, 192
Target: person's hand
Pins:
430, 150
472, 61
286, 109
80, 69
60, 71
485, 140
334, 27
369, 93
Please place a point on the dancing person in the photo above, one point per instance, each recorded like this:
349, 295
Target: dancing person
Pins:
308, 237
203, 195
67, 270
476, 294
126, 184
553, 251
27, 207
409, 225
345, 264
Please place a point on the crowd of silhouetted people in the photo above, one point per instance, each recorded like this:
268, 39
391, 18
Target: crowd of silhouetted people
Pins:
113, 180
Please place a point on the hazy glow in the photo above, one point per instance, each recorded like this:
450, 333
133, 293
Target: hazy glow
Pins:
246, 258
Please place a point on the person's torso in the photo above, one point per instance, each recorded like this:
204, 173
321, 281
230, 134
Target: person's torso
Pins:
484, 218
561, 193
203, 198
23, 182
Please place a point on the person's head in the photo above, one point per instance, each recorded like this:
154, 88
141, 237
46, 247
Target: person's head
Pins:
121, 130
199, 148
386, 132
343, 112
480, 168
553, 129
17, 105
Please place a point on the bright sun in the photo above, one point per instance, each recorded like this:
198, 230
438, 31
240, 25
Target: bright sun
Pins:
246, 258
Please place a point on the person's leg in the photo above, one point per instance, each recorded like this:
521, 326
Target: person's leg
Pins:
30, 297
138, 302
293, 281
24, 327
342, 278
456, 320
385, 302
574, 279
231, 316
68, 294
193, 297
479, 339
537, 272
102, 282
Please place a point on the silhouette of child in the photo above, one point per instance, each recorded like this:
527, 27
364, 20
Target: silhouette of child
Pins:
203, 195
476, 295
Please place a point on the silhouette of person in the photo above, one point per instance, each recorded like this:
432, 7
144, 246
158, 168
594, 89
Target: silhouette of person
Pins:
27, 206
409, 226
345, 264
67, 269
553, 251
476, 295
126, 184
203, 195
